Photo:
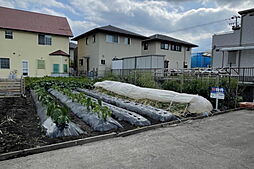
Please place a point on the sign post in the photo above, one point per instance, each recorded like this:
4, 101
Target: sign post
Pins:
217, 93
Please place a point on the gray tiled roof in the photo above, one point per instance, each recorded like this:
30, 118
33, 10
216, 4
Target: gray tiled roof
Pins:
72, 45
169, 39
110, 29
246, 11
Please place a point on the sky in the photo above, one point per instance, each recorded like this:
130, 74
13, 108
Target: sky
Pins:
194, 21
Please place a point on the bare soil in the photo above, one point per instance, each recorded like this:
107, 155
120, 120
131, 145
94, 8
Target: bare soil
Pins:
20, 126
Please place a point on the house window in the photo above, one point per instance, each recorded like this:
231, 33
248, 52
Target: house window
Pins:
81, 62
185, 65
175, 47
146, 46
87, 41
55, 68
44, 39
65, 68
112, 38
127, 41
232, 57
188, 48
103, 62
93, 38
164, 45
25, 68
4, 63
8, 34
40, 64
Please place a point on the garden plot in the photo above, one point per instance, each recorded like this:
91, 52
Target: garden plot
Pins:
144, 110
125, 115
68, 115
85, 113
54, 128
196, 103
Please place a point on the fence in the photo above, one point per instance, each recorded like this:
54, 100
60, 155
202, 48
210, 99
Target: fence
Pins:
12, 87
243, 74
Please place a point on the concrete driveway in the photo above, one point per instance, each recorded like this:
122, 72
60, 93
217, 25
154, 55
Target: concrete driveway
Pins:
224, 141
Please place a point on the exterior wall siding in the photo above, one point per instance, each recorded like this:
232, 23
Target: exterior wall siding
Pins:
24, 47
175, 58
102, 50
89, 53
233, 40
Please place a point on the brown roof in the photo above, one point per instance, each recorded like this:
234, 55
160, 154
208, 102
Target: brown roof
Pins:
59, 52
34, 22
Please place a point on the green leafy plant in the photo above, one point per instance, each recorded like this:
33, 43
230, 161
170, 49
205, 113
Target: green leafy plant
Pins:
92, 106
57, 112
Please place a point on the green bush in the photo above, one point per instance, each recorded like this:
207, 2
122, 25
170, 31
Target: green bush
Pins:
173, 85
65, 82
146, 80
203, 86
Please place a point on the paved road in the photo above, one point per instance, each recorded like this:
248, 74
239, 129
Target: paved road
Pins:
224, 141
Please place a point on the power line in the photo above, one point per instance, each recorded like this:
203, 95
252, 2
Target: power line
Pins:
195, 26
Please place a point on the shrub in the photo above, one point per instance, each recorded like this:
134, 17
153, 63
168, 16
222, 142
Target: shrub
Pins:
146, 80
173, 85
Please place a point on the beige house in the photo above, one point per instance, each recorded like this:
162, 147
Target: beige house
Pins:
177, 52
33, 44
97, 48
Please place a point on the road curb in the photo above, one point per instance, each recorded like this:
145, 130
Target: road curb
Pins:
56, 146
51, 147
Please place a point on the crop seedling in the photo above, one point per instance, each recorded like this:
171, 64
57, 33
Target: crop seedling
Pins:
58, 113
102, 111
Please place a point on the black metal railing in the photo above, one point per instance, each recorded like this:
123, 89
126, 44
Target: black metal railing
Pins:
243, 74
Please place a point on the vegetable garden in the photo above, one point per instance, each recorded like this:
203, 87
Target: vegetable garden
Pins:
62, 109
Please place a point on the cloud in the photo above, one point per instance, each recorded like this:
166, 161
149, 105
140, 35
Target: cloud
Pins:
145, 17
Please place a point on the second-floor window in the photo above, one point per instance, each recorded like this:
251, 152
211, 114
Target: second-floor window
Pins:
112, 38
127, 41
164, 45
93, 38
146, 46
175, 47
8, 34
44, 39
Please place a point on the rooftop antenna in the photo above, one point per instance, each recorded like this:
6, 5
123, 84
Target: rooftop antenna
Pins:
235, 24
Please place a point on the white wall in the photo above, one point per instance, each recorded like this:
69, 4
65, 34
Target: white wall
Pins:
175, 58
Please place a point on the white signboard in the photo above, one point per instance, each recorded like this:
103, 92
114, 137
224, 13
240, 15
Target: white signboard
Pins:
217, 93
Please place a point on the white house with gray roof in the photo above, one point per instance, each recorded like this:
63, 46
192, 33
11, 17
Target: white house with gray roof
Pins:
177, 52
98, 47
235, 48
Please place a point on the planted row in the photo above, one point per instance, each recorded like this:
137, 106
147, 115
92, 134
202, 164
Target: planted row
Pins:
57, 112
53, 116
92, 106
63, 82
85, 114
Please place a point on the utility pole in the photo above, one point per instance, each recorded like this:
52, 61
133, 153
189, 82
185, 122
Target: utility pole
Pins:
235, 24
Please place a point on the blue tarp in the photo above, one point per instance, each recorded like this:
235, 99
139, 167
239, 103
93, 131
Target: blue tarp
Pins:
198, 60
